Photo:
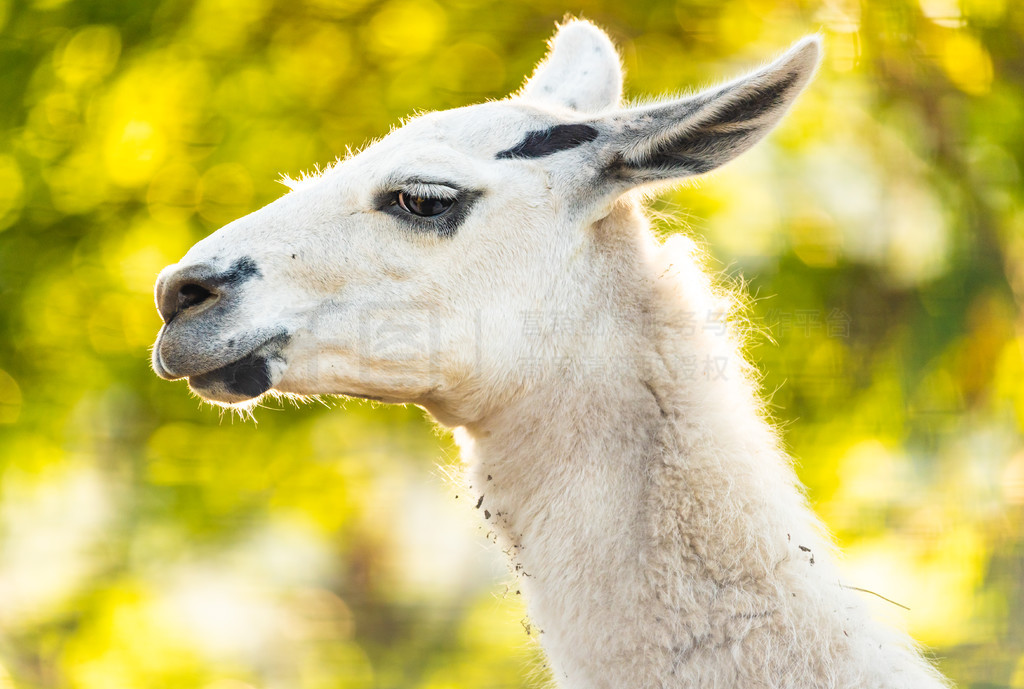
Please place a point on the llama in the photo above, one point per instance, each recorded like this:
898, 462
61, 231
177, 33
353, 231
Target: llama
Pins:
660, 534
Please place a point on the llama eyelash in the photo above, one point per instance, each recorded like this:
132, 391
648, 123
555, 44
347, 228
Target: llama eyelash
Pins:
438, 191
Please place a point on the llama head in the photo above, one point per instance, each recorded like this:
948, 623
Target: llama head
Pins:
409, 272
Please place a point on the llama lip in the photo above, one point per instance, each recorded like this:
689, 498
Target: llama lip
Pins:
245, 378
190, 350
158, 363
248, 377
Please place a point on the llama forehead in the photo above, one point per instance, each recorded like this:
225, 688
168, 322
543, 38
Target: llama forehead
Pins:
474, 148
489, 131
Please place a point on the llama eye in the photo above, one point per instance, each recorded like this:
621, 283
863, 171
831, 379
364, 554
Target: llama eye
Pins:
423, 206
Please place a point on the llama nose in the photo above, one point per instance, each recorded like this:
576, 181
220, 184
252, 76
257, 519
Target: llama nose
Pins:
190, 287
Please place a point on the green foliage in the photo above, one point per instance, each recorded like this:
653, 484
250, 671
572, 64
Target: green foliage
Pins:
149, 541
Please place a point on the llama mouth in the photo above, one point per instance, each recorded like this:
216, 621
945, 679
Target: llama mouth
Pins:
246, 378
243, 379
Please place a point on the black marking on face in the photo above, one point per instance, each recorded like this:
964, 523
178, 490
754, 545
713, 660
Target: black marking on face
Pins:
544, 142
445, 224
240, 271
248, 377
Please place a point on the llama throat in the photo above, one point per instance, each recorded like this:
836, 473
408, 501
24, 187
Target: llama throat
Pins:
660, 535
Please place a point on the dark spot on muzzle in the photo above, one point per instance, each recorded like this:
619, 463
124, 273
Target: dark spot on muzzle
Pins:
249, 376
197, 287
240, 271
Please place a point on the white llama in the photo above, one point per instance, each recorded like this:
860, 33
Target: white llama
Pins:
660, 533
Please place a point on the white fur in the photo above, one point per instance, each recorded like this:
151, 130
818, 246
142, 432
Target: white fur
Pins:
615, 435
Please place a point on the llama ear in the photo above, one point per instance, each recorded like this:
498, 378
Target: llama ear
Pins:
581, 70
692, 135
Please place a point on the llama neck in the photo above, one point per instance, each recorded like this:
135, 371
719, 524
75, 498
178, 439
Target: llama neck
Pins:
639, 468
563, 479
659, 535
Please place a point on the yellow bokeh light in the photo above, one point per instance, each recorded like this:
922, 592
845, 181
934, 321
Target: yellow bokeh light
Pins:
6, 681
967, 63
815, 238
225, 193
1013, 480
90, 54
984, 11
134, 643
1017, 680
472, 66
936, 582
76, 185
173, 193
311, 60
943, 12
47, 4
134, 149
406, 28
224, 25
140, 253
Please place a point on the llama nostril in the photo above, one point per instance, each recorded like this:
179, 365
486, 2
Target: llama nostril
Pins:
191, 294
199, 286
190, 287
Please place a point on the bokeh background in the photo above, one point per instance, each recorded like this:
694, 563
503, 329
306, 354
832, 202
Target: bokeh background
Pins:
147, 540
